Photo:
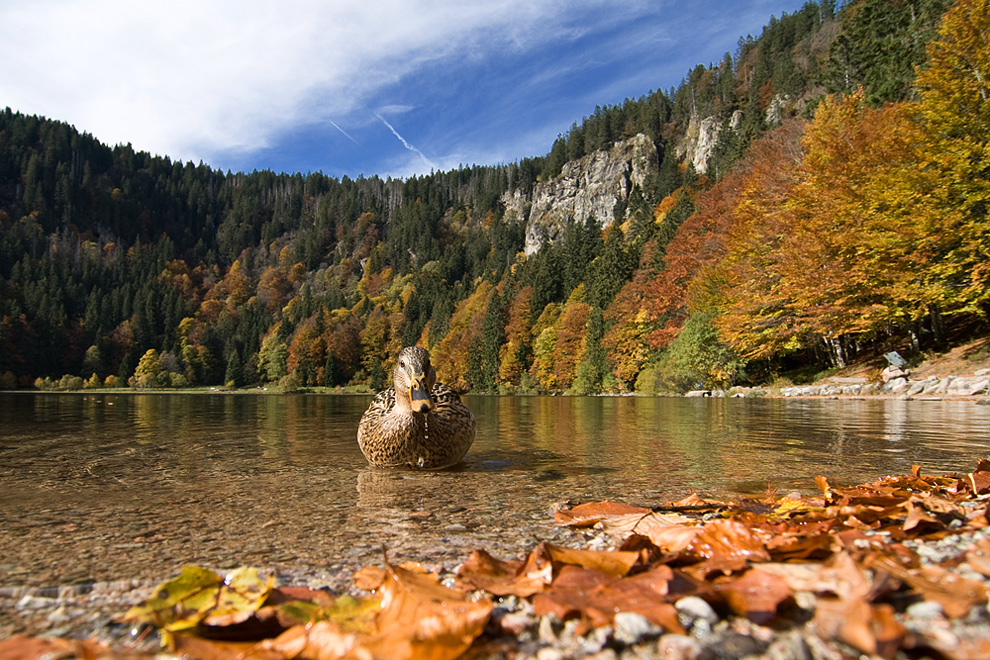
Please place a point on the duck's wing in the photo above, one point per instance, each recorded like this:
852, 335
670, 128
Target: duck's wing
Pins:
444, 396
381, 405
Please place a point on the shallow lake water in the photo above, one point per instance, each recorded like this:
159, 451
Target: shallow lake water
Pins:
103, 487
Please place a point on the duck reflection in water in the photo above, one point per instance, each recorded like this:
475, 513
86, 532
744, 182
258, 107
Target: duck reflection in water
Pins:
417, 422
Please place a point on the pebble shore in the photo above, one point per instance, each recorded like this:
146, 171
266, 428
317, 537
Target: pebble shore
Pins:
515, 631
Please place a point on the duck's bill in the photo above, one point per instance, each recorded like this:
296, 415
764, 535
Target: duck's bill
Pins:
419, 396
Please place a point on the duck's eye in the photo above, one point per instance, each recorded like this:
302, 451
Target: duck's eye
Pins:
402, 363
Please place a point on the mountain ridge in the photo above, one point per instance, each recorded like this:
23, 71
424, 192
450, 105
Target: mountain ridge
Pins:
114, 256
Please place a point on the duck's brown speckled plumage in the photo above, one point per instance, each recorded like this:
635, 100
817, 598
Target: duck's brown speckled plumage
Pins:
391, 433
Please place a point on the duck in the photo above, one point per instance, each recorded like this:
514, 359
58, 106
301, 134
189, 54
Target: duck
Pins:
417, 422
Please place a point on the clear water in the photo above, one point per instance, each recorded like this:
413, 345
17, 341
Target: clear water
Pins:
105, 487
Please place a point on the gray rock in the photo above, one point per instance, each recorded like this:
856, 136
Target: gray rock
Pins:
788, 646
695, 612
697, 394
678, 647
896, 386
550, 628
631, 627
925, 610
585, 188
30, 602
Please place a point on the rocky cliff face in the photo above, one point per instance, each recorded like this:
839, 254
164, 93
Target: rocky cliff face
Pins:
586, 188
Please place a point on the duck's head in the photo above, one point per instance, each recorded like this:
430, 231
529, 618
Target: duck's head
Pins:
413, 379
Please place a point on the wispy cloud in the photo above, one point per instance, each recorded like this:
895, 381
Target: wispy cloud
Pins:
406, 144
232, 81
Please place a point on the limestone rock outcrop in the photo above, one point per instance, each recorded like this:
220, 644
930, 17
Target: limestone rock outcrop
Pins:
589, 187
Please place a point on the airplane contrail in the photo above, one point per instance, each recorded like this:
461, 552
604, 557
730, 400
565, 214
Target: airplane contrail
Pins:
346, 135
406, 144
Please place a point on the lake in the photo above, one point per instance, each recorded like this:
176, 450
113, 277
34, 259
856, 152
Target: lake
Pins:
111, 486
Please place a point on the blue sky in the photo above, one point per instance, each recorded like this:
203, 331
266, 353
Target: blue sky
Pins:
352, 87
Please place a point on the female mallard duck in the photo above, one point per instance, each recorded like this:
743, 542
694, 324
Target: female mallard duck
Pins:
418, 421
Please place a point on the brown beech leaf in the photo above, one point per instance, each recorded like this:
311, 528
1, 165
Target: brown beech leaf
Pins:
596, 598
979, 481
799, 545
728, 539
953, 592
756, 594
418, 619
536, 573
20, 647
841, 576
319, 641
670, 532
848, 620
204, 649
482, 571
369, 578
425, 617
613, 563
978, 556
933, 510
586, 515
887, 630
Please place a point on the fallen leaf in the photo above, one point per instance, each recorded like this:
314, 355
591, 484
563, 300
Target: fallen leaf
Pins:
20, 647
978, 556
887, 630
586, 515
596, 598
197, 593
613, 563
413, 617
425, 617
956, 594
203, 649
725, 540
848, 620
756, 594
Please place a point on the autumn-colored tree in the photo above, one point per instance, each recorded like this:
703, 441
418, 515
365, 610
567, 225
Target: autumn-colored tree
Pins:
148, 370
544, 332
697, 244
460, 367
628, 326
514, 353
569, 349
343, 349
273, 358
755, 318
850, 263
307, 352
274, 289
953, 189
375, 357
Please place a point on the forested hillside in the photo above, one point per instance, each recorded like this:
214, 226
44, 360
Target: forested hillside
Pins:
842, 209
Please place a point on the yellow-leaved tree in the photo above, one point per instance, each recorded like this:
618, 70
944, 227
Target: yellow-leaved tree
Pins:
952, 191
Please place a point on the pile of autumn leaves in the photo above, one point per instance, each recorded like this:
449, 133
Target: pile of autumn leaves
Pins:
749, 558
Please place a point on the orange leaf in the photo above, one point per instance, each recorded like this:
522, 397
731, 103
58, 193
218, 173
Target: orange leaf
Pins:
20, 647
597, 598
419, 619
978, 556
756, 595
586, 515
954, 593
847, 620
613, 563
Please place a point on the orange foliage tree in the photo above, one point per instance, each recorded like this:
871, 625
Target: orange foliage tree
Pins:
460, 346
515, 351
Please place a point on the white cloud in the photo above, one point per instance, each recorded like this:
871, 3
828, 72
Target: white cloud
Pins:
190, 78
